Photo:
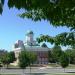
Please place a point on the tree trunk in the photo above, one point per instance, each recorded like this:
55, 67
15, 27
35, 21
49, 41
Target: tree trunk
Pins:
64, 69
30, 69
7, 65
0, 70
23, 72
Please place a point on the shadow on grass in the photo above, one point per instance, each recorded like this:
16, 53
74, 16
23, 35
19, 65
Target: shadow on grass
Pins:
69, 72
36, 74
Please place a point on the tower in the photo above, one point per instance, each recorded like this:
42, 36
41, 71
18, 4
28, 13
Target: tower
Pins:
29, 38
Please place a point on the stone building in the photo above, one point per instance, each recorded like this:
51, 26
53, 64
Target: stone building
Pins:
31, 45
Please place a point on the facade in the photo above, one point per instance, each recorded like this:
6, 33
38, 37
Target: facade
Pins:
31, 45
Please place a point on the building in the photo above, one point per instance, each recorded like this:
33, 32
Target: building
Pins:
31, 45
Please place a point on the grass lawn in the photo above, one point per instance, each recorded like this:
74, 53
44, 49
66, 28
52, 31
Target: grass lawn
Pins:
57, 74
44, 74
71, 66
61, 74
8, 74
50, 64
56, 65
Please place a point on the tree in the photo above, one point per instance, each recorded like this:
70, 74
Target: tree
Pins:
60, 39
73, 47
1, 6
26, 58
71, 55
51, 58
56, 52
23, 59
12, 56
57, 12
32, 57
8, 58
2, 53
64, 61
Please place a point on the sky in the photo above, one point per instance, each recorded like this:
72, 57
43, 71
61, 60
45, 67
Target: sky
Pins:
13, 28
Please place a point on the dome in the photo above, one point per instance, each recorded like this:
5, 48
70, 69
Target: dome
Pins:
30, 32
18, 41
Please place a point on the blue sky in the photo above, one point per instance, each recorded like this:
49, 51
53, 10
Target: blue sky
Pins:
14, 28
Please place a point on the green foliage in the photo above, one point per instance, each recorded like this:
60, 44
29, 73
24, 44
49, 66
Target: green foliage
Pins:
32, 57
54, 54
73, 47
1, 6
23, 59
64, 61
12, 56
60, 39
7, 58
51, 58
2, 53
59, 13
71, 55
26, 58
57, 52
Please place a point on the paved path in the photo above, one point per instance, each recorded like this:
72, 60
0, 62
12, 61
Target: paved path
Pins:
36, 70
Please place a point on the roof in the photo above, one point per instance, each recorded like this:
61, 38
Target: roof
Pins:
30, 32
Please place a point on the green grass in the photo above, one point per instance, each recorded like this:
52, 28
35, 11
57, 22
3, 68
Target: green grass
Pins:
61, 74
45, 74
8, 74
71, 66
57, 65
54, 65
57, 74
50, 64
54, 74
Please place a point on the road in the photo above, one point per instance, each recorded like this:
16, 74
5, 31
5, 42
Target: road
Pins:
36, 70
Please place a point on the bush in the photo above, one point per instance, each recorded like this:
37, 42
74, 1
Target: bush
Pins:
64, 61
